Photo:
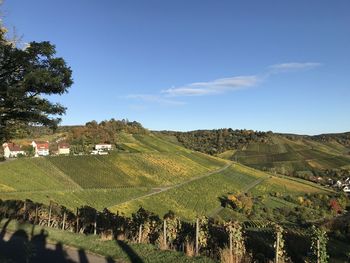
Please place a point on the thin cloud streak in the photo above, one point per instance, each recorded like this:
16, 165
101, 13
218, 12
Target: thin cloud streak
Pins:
213, 87
220, 86
293, 66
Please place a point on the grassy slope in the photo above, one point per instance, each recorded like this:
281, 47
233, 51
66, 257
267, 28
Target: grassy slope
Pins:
201, 197
103, 181
299, 155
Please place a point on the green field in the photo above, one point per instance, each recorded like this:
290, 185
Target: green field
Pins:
201, 197
103, 181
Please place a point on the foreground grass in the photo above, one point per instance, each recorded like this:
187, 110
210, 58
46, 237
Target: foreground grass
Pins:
109, 249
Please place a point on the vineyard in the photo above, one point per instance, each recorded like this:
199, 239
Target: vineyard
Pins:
103, 181
202, 196
288, 156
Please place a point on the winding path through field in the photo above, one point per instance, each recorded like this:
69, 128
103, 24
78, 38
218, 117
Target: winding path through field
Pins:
158, 190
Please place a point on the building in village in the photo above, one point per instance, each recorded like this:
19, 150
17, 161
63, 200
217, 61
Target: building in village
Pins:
41, 148
63, 148
12, 150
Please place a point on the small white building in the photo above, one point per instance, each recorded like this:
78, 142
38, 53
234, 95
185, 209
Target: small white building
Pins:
12, 150
41, 148
63, 148
103, 147
346, 189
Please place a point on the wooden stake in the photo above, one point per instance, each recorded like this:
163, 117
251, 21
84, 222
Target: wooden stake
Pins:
95, 224
36, 215
64, 220
231, 248
25, 210
164, 233
49, 221
77, 220
197, 236
277, 247
140, 233
318, 251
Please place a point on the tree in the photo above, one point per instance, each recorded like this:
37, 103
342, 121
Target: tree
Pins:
27, 76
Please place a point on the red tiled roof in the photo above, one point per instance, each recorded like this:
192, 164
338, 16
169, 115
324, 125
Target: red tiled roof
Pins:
63, 145
13, 147
40, 145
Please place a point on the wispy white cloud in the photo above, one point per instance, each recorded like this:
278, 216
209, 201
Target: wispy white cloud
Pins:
213, 87
294, 66
220, 86
154, 99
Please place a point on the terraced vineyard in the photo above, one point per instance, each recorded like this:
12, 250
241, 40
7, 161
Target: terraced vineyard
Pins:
202, 196
293, 155
103, 181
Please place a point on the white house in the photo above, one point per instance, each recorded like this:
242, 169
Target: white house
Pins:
63, 148
12, 150
41, 148
346, 189
103, 147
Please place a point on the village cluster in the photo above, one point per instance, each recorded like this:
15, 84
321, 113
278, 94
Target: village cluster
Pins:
42, 148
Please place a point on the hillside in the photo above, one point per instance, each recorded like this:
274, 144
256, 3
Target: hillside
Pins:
295, 155
102, 181
203, 196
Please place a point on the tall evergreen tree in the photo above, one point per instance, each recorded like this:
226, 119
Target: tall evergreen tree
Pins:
27, 76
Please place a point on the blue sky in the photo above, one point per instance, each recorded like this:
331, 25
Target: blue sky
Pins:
194, 64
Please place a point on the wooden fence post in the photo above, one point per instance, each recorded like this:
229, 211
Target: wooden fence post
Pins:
49, 221
277, 247
64, 220
318, 250
25, 210
231, 248
140, 233
95, 224
164, 233
77, 230
197, 236
36, 215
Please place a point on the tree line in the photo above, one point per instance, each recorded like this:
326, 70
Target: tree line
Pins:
220, 140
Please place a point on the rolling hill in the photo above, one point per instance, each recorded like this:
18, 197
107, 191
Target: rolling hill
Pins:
102, 181
294, 155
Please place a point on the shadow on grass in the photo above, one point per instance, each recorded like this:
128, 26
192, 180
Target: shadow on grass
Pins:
20, 247
132, 255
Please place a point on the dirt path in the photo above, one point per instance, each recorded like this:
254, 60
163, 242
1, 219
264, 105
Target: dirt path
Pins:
159, 190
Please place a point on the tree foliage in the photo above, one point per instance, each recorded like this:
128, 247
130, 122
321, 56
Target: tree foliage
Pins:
27, 76
218, 141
